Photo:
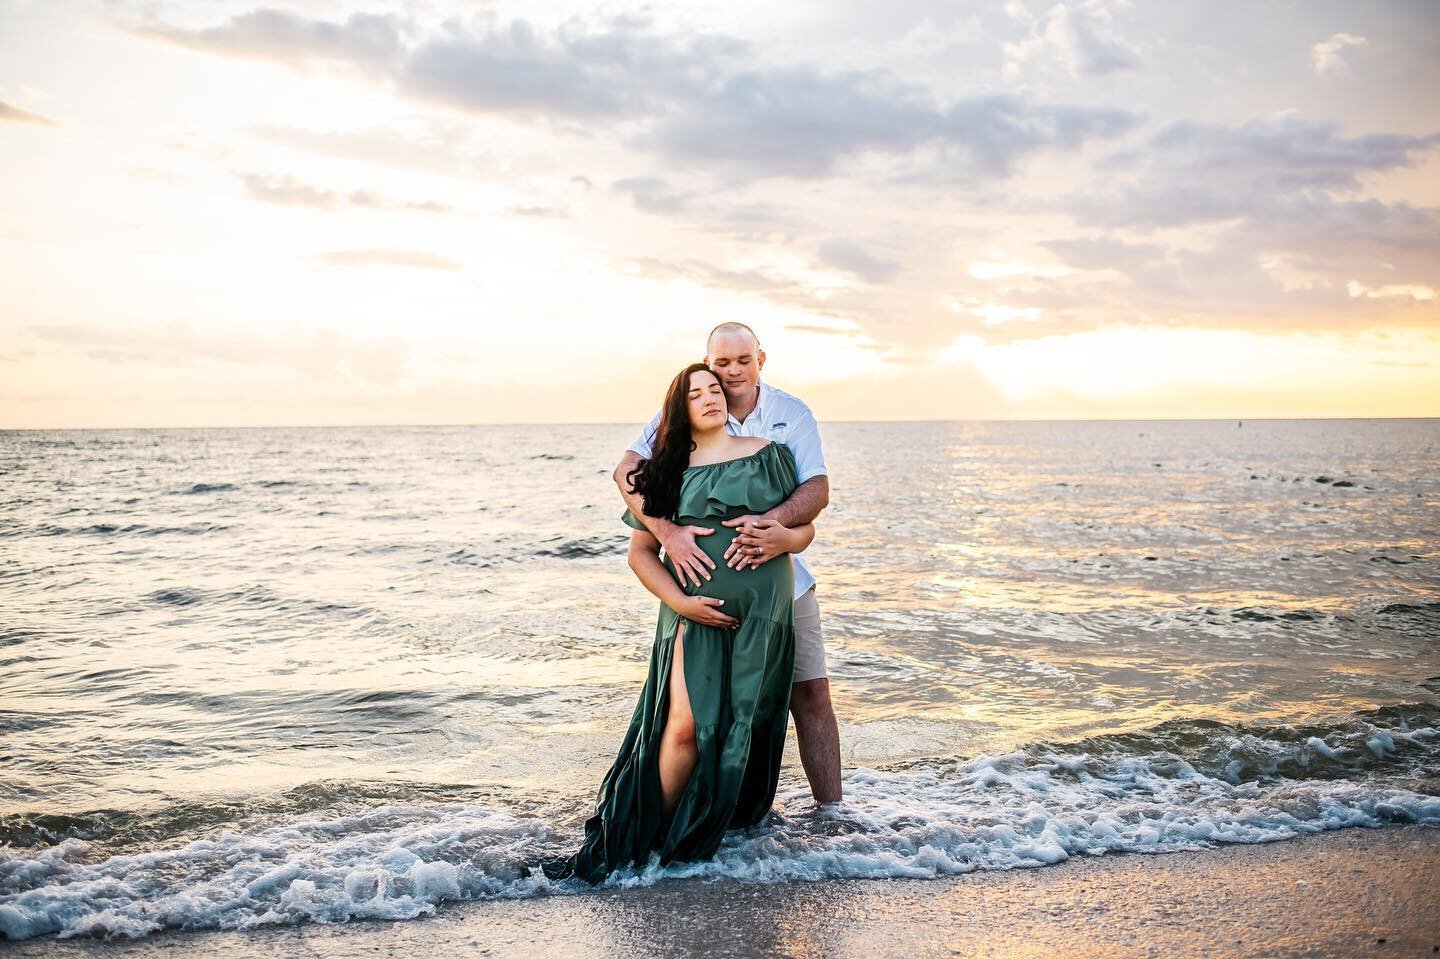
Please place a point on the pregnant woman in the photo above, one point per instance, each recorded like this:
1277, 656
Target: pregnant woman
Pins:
702, 754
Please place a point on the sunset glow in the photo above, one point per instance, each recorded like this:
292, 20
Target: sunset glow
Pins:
222, 214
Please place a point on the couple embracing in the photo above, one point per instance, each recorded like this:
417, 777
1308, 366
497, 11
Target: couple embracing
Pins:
727, 479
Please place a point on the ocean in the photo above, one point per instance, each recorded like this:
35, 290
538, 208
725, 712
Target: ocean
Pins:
268, 676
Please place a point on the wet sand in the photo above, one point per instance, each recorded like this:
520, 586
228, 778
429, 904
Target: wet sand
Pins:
1356, 892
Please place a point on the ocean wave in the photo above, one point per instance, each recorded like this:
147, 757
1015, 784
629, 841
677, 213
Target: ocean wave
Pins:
1401, 740
200, 488
1259, 614
155, 827
583, 548
255, 596
1180, 786
467, 557
553, 547
392, 862
1322, 480
114, 529
176, 597
1411, 609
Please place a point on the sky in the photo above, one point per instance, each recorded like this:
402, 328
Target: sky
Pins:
226, 214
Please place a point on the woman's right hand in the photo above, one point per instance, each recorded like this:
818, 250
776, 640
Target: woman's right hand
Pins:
705, 610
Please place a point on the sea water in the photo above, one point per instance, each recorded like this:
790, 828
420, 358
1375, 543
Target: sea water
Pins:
256, 676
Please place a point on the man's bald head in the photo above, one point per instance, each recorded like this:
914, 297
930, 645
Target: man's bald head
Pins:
729, 330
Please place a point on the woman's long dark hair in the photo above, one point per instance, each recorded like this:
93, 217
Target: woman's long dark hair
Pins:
658, 478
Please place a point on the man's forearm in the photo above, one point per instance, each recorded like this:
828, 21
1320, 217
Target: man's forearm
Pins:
633, 500
804, 505
800, 537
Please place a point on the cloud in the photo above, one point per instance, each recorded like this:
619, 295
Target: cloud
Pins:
653, 194
842, 254
440, 148
13, 114
1189, 172
268, 34
1077, 37
538, 212
1327, 55
513, 68
722, 211
406, 258
1261, 225
322, 355
1217, 223
287, 191
700, 100
1278, 191
1286, 267
707, 274
800, 122
1401, 290
769, 284
1380, 243
845, 331
1104, 252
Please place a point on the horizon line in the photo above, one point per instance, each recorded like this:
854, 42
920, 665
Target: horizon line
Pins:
631, 423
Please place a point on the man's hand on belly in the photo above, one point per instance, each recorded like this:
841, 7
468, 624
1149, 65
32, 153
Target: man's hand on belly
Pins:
688, 558
741, 524
757, 542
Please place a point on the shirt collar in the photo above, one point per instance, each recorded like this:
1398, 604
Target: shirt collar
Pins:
759, 404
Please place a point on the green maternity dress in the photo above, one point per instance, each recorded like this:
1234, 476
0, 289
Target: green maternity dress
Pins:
738, 681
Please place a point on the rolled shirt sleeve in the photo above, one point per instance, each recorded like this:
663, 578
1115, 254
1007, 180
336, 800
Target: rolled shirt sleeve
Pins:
645, 443
631, 521
803, 438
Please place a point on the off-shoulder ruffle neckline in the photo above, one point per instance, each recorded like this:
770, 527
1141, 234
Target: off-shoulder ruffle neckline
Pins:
738, 459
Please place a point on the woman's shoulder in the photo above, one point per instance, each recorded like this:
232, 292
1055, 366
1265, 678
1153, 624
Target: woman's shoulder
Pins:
751, 445
759, 448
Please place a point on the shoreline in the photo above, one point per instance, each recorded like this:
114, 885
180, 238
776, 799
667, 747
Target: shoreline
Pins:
1334, 893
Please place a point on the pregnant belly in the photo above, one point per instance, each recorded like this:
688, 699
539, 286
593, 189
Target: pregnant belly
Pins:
770, 583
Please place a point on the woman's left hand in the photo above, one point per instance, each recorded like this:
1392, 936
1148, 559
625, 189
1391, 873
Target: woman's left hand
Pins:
757, 543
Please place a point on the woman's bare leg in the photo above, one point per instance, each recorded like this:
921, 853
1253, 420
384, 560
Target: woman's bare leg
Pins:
678, 754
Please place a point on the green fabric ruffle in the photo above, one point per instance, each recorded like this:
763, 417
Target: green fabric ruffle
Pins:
731, 488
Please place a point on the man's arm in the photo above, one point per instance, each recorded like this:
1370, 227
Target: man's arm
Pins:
691, 562
769, 531
804, 505
634, 502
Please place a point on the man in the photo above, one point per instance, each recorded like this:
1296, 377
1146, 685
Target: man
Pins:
733, 352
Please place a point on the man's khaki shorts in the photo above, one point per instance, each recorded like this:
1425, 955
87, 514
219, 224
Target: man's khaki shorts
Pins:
809, 650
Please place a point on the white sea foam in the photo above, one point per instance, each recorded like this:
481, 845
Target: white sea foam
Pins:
393, 862
1026, 808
